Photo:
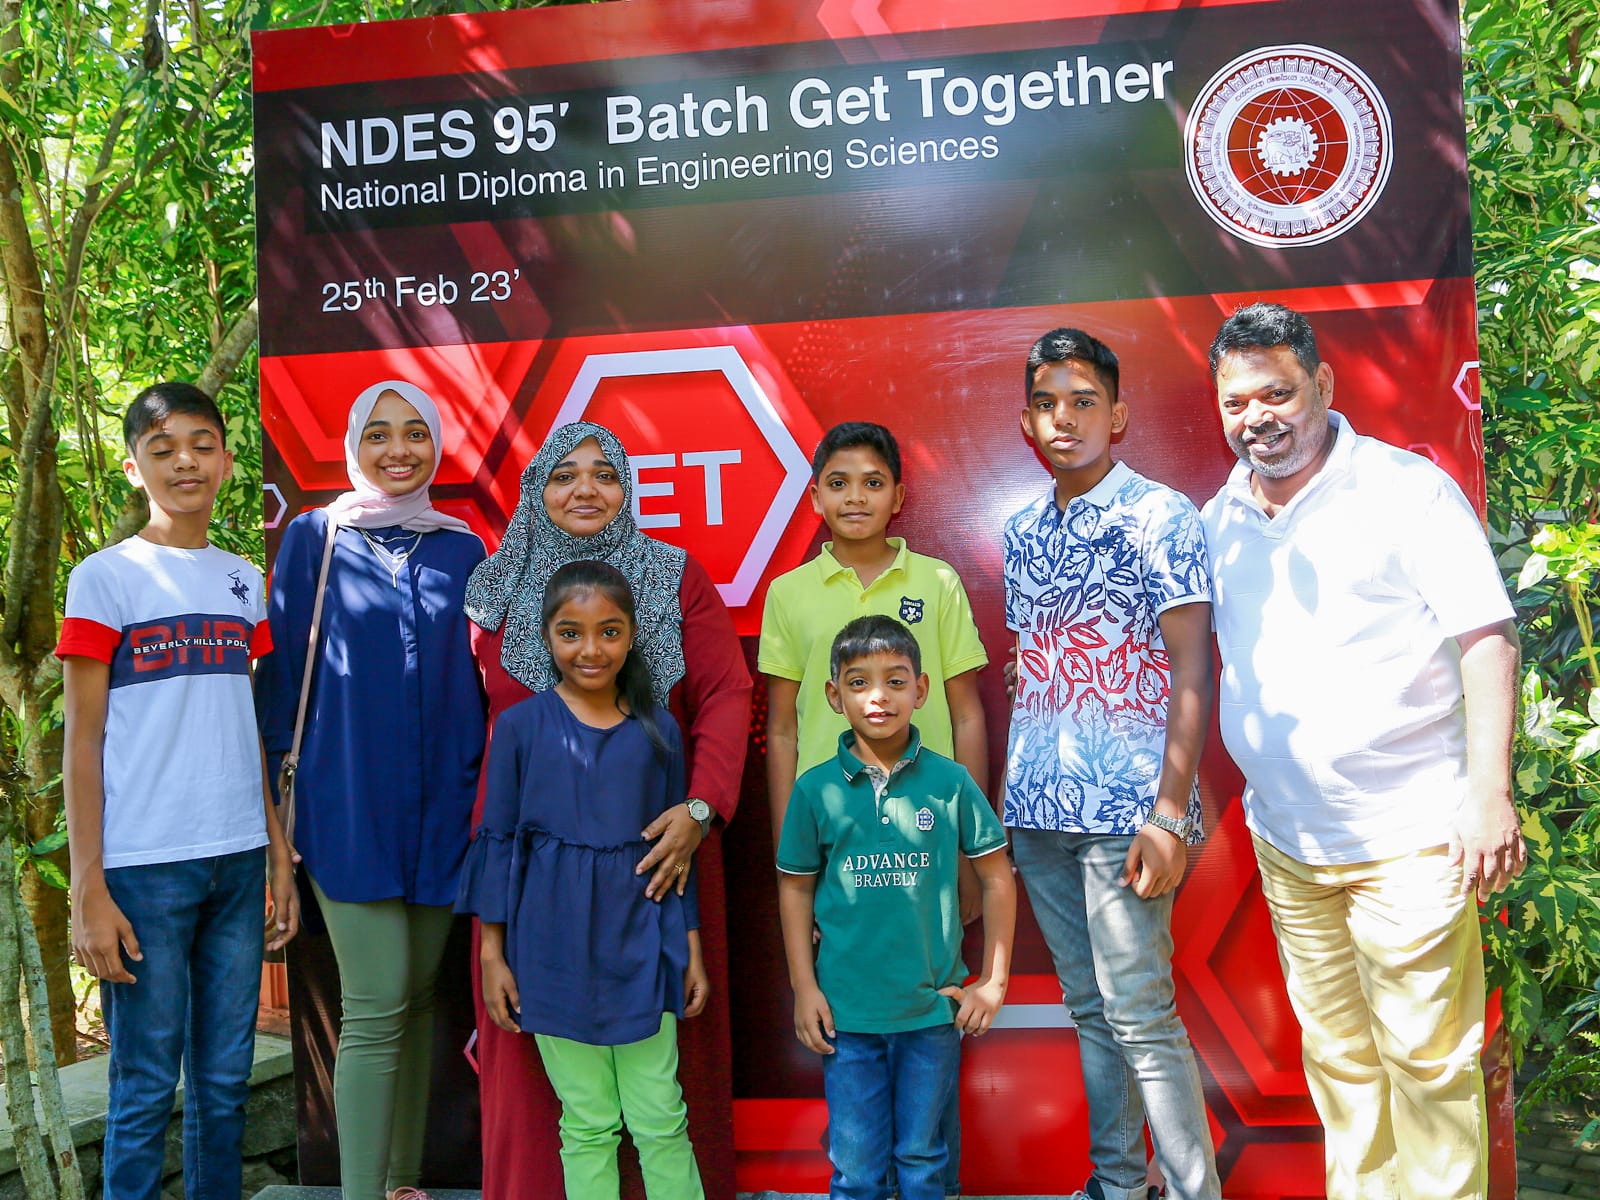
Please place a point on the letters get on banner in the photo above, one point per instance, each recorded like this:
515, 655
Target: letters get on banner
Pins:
720, 227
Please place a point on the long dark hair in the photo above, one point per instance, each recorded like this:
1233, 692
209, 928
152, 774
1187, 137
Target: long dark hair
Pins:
633, 680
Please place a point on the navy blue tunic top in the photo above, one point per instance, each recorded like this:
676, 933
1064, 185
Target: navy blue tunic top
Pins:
595, 960
395, 727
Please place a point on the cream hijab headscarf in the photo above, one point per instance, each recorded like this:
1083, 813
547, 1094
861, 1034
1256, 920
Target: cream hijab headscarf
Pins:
365, 506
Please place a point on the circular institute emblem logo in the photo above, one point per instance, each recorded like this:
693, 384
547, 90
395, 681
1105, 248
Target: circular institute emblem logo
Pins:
1288, 146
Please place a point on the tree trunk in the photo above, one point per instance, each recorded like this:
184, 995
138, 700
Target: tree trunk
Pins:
29, 1146
47, 906
225, 359
41, 1012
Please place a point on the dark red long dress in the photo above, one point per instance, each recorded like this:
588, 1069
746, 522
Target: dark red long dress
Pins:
521, 1142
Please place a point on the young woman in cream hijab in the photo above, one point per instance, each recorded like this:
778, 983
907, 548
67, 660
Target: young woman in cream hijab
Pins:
388, 771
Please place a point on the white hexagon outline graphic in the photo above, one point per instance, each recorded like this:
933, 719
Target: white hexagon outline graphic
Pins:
1460, 386
276, 493
727, 361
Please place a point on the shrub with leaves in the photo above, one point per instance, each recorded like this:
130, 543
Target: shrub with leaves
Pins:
1533, 129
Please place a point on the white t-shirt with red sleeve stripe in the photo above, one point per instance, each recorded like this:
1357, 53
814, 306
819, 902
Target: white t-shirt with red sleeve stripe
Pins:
182, 759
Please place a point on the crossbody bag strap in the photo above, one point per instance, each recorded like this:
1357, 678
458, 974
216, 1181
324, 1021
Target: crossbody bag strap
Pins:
291, 761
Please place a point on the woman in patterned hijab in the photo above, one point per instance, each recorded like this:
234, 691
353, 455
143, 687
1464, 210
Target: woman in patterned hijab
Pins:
577, 503
507, 588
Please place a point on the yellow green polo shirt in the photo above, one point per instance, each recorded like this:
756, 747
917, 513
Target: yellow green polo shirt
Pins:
806, 608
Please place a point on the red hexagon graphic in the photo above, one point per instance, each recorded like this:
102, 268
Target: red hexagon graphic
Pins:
305, 399
704, 394
1220, 926
274, 506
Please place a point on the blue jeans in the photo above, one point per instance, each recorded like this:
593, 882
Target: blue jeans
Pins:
1113, 957
887, 1094
950, 1127
199, 925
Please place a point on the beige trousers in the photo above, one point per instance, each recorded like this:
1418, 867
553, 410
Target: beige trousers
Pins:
1384, 966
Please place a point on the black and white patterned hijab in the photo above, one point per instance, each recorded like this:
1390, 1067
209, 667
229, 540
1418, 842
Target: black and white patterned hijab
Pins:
507, 588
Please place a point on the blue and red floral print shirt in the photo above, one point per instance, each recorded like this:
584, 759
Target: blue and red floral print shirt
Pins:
1084, 587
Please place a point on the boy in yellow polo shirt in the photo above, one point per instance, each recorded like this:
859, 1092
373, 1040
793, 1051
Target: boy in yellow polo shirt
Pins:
856, 488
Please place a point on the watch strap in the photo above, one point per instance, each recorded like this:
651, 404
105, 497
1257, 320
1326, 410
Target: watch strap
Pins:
1177, 828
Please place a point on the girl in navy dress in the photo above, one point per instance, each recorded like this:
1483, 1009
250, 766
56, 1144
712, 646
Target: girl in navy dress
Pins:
389, 764
574, 950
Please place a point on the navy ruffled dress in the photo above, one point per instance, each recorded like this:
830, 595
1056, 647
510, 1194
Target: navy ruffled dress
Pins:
595, 960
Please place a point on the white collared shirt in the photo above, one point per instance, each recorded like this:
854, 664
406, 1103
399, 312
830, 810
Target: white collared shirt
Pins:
1340, 697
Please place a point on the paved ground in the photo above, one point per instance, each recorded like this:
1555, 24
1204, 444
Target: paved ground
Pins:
1550, 1161
1551, 1164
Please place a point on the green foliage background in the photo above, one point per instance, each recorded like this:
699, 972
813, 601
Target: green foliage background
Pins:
139, 117
1533, 127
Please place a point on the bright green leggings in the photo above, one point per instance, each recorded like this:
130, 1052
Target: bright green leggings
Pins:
388, 954
602, 1086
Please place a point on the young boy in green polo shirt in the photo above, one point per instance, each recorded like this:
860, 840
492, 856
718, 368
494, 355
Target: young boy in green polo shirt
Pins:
868, 854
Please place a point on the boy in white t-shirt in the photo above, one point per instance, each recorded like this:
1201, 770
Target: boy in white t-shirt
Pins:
166, 813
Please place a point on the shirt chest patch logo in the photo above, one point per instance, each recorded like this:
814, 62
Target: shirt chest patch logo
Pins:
240, 588
910, 610
924, 819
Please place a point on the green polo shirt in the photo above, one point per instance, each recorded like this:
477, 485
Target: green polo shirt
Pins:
806, 608
885, 851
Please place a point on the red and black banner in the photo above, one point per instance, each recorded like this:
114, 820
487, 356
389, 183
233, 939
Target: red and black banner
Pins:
720, 226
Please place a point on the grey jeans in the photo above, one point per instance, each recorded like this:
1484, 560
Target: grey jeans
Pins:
1113, 956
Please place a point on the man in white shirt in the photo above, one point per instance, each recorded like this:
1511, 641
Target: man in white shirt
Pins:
1369, 680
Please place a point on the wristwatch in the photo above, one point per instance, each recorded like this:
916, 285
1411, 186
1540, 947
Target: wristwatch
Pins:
1180, 829
701, 811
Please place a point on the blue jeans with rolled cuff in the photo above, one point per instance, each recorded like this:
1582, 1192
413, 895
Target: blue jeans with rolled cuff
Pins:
193, 1004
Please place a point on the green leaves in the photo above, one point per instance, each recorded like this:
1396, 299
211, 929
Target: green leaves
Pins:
1534, 772
1587, 745
1546, 942
34, 856
51, 874
1533, 114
